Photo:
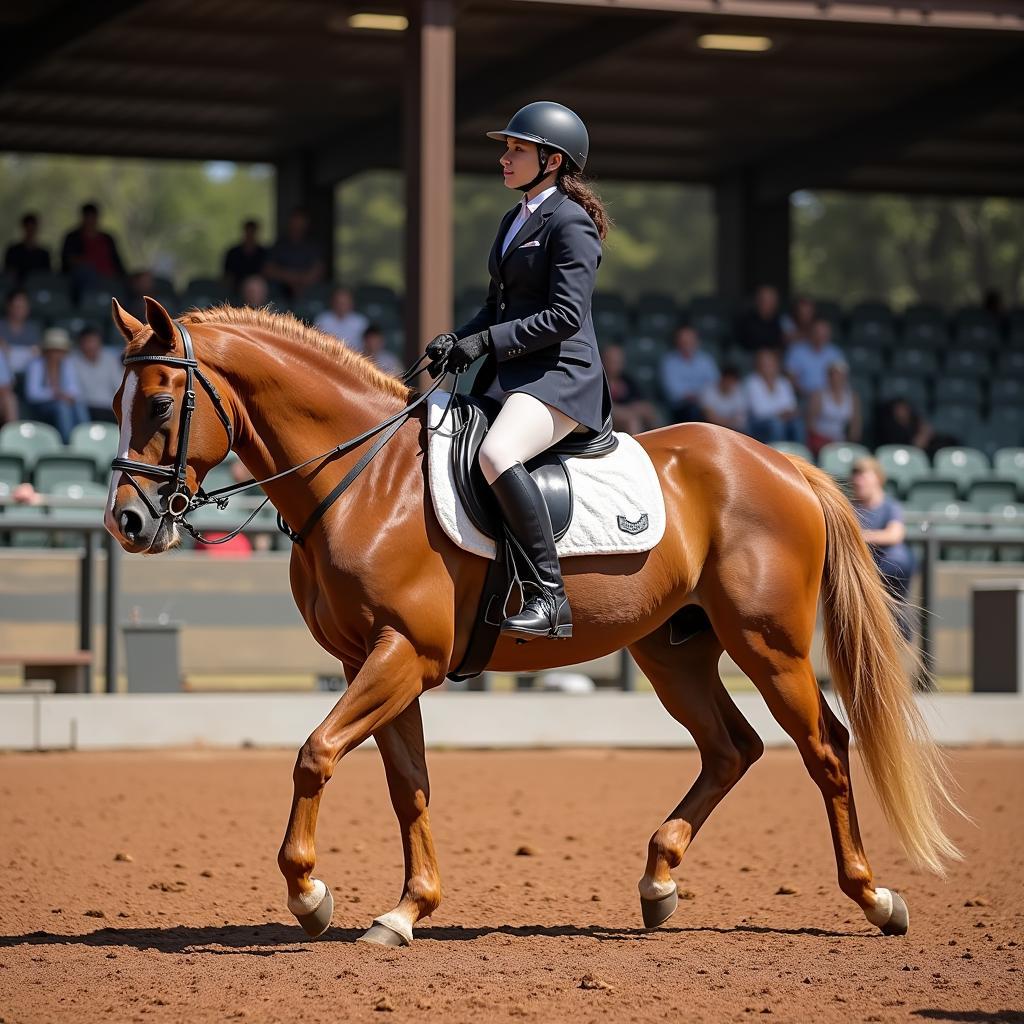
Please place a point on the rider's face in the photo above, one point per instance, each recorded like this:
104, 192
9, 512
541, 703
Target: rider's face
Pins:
519, 162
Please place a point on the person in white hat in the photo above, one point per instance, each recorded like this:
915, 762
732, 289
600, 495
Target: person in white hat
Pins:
51, 388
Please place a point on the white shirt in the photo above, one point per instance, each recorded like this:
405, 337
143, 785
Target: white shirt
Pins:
98, 381
765, 402
348, 328
526, 208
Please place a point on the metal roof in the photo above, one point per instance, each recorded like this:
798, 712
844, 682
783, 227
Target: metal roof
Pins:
899, 95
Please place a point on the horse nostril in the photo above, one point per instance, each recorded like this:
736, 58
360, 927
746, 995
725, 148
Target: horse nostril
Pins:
131, 524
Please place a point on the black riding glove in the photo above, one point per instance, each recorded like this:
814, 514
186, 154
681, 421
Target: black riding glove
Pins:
468, 350
437, 350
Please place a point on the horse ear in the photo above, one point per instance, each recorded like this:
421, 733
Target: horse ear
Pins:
126, 323
160, 321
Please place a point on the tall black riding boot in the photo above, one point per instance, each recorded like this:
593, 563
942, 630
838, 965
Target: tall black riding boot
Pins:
545, 610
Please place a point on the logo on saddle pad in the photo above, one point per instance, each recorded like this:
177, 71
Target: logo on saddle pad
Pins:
638, 526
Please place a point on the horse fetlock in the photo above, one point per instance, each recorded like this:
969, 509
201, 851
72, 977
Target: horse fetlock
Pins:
296, 860
425, 892
665, 850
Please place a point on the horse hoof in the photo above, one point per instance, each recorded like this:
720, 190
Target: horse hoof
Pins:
317, 921
658, 911
899, 919
381, 935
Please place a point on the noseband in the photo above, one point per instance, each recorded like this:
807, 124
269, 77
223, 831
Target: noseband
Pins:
181, 500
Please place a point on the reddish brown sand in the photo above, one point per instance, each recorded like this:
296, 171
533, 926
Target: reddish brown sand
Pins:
193, 926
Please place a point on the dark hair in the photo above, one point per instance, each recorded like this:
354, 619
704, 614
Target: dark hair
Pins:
576, 187
13, 294
29, 218
250, 223
730, 370
372, 328
88, 329
90, 208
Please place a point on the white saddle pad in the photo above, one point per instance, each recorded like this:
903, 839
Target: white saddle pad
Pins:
618, 507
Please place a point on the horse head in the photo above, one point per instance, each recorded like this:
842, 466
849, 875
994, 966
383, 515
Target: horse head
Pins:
172, 432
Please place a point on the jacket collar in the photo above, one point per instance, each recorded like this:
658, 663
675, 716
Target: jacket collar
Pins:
530, 226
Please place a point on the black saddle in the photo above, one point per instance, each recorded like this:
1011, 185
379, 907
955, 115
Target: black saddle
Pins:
470, 419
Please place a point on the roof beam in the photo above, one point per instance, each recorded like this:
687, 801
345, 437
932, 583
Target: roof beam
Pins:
370, 142
48, 33
886, 134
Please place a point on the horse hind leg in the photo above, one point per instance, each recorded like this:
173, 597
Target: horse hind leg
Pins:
686, 680
773, 650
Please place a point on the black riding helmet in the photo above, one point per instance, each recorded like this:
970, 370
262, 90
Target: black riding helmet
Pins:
552, 127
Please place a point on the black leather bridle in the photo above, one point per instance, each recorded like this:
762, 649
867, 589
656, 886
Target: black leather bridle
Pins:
183, 500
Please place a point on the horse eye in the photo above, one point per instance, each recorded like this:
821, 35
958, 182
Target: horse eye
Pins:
162, 405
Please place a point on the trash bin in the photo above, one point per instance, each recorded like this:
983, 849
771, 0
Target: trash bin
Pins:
997, 608
152, 657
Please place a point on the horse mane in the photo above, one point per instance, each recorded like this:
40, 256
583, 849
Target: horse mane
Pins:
288, 326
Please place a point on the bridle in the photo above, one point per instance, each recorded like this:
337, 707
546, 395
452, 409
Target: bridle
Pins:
183, 500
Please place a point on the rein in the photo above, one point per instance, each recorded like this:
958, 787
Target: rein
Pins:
183, 500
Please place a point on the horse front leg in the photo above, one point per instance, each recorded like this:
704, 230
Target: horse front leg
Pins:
389, 680
405, 764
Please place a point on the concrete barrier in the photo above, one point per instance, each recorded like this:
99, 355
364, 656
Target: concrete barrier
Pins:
465, 720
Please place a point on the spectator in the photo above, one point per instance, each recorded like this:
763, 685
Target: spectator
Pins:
246, 258
50, 386
342, 320
685, 374
26, 256
19, 336
807, 362
900, 423
834, 412
294, 260
774, 414
883, 530
98, 373
90, 254
725, 402
630, 412
140, 284
8, 403
797, 327
761, 327
374, 350
254, 291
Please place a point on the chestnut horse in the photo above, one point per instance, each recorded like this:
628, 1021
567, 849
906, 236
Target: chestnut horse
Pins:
753, 538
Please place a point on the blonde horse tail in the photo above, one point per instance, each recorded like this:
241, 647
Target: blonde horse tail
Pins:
868, 656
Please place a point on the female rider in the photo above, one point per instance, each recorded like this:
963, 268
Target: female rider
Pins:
537, 334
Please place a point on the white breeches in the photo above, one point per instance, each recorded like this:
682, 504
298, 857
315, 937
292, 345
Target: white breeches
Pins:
525, 427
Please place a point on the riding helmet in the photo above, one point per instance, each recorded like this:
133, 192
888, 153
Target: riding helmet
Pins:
549, 124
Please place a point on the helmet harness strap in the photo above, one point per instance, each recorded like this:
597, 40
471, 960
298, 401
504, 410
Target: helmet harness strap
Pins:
542, 158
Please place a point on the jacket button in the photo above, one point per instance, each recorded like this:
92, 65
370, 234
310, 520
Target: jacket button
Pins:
503, 305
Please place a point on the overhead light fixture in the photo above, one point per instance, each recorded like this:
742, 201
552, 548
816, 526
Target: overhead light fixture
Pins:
738, 44
379, 22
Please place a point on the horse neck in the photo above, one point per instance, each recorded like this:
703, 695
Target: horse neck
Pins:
291, 401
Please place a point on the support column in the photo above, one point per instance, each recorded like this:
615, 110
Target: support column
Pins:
753, 237
296, 186
429, 161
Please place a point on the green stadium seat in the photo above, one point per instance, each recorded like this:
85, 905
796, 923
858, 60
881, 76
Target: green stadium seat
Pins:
94, 302
916, 361
1011, 517
793, 448
611, 316
871, 312
958, 390
29, 439
967, 363
19, 514
986, 493
949, 516
49, 294
837, 458
928, 336
1015, 327
656, 314
205, 291
1006, 391
709, 316
647, 380
862, 359
830, 310
643, 349
871, 334
977, 329
864, 385
904, 464
62, 468
12, 469
955, 421
1011, 364
964, 465
925, 494
89, 500
97, 440
914, 389
1008, 464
